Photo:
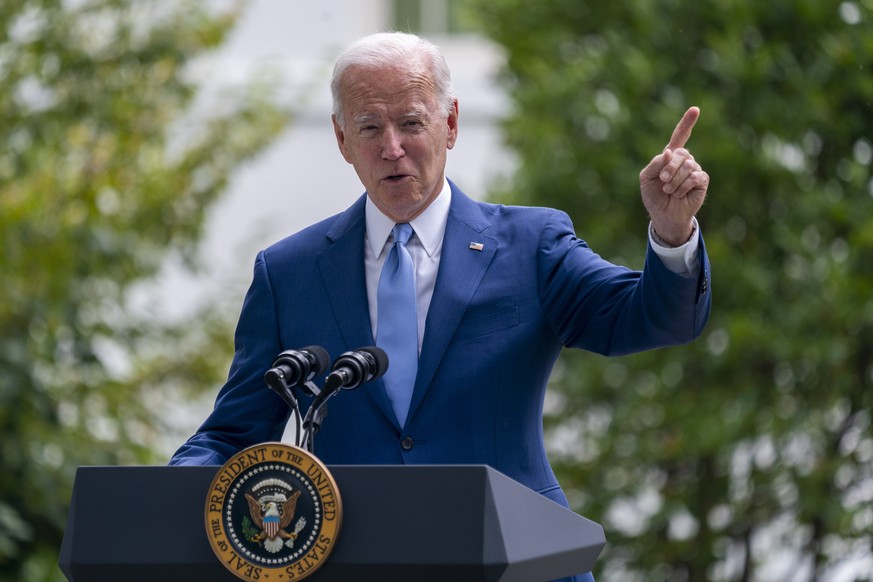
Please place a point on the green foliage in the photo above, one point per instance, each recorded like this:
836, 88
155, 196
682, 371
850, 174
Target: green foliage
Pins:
250, 532
105, 172
751, 448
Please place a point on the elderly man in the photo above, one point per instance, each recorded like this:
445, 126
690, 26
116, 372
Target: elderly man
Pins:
471, 301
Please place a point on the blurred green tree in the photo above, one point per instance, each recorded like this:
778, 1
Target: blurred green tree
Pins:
111, 156
748, 454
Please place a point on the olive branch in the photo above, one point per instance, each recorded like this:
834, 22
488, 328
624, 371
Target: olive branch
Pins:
250, 532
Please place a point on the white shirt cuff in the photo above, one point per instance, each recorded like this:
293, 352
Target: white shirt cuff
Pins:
682, 260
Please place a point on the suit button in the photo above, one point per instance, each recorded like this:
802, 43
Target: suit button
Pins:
407, 443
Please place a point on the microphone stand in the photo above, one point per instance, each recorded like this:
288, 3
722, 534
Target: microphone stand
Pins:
318, 411
300, 435
286, 393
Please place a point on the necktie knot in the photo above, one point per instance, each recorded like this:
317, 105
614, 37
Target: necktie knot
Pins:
402, 232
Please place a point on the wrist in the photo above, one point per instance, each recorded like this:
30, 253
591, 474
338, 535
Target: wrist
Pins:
671, 239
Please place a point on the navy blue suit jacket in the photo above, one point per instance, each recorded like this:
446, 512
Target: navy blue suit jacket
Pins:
498, 319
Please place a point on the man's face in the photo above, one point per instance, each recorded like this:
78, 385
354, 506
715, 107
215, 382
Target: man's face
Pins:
396, 136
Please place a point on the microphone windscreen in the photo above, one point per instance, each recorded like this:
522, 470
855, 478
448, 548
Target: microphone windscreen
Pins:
380, 357
322, 358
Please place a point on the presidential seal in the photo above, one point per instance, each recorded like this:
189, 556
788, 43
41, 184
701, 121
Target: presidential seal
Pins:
273, 512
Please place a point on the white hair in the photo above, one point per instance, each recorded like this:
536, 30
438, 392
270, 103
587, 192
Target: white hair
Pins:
386, 49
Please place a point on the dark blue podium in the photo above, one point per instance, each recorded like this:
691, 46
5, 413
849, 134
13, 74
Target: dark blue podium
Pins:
400, 523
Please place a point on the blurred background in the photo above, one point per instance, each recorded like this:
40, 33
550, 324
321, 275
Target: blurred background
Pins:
150, 148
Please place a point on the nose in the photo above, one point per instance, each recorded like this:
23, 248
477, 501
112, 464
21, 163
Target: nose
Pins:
392, 144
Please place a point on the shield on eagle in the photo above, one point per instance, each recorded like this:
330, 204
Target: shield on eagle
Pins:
272, 510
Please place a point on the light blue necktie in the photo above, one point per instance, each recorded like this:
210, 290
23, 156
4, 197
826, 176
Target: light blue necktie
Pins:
397, 322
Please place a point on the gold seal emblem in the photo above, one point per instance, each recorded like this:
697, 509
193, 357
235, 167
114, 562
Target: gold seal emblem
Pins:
273, 512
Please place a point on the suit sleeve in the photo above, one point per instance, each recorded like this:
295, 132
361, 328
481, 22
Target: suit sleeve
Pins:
595, 305
246, 411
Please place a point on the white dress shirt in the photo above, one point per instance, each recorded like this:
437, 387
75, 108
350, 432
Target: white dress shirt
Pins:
426, 245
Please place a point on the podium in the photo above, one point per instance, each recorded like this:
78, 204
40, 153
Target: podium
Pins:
422, 523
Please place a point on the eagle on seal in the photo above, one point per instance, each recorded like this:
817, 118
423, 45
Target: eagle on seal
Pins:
272, 514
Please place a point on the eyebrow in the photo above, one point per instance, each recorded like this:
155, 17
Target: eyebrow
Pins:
415, 113
363, 118
369, 117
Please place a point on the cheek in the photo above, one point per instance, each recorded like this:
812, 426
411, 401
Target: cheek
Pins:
358, 152
426, 151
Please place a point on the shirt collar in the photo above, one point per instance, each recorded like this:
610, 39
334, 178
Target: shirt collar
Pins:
429, 226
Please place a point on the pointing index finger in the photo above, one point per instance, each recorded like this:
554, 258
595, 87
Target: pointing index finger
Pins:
683, 129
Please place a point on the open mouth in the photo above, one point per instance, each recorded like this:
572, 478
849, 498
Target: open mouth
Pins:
395, 177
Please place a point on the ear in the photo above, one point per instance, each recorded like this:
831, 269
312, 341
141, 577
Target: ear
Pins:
452, 123
340, 134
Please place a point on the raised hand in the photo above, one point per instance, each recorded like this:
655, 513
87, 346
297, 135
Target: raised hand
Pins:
673, 185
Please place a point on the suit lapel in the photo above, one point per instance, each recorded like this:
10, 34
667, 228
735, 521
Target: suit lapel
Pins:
460, 272
342, 269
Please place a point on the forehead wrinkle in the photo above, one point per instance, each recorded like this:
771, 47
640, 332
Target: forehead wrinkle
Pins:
384, 85
414, 74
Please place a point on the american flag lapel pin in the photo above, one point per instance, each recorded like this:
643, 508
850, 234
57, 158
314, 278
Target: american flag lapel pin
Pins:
476, 246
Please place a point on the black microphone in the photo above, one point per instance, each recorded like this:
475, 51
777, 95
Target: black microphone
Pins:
297, 367
294, 368
352, 369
